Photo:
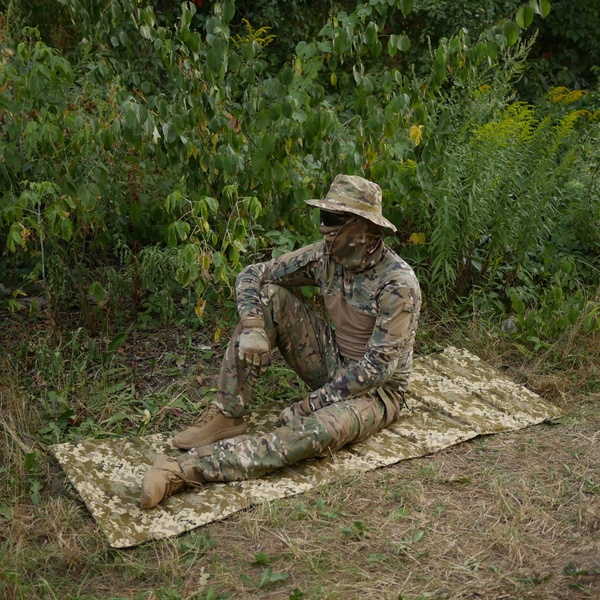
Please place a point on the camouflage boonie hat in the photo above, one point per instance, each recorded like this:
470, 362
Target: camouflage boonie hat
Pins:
356, 195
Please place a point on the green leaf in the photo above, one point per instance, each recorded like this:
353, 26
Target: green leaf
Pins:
146, 32
392, 45
264, 119
340, 41
214, 61
248, 51
524, 16
258, 161
228, 10
97, 292
107, 138
130, 119
141, 113
171, 235
404, 43
269, 577
169, 132
278, 173
31, 462
286, 76
14, 239
260, 558
439, 70
406, 7
287, 109
116, 342
371, 33
545, 8
267, 144
512, 32
182, 229
212, 204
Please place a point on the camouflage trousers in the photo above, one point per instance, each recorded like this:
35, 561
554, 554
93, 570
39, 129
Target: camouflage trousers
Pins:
307, 343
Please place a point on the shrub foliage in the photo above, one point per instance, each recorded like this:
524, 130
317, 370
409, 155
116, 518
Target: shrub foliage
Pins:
167, 149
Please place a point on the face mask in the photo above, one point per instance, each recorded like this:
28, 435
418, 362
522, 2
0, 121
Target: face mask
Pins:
356, 246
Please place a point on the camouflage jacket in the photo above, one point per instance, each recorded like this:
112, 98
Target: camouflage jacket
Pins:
388, 291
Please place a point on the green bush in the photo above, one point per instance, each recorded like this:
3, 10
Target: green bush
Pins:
182, 144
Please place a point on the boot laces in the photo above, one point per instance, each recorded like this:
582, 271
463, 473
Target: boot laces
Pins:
176, 477
208, 414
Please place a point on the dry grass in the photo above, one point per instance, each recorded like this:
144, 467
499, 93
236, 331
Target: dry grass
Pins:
502, 517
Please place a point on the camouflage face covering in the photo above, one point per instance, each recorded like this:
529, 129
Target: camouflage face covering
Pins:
356, 245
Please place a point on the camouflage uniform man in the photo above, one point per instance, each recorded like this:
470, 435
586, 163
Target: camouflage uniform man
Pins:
358, 369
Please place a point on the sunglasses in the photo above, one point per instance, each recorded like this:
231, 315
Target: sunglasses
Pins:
331, 219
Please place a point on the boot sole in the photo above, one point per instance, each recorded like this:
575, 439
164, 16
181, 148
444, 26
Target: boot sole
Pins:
215, 437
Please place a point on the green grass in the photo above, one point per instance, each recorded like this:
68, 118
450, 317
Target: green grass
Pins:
502, 517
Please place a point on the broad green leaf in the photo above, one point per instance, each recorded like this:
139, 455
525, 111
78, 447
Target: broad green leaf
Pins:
267, 144
130, 119
169, 132
287, 108
439, 70
14, 239
286, 76
275, 111
367, 84
214, 61
512, 32
340, 41
97, 292
278, 173
524, 16
259, 161
393, 44
545, 8
264, 119
406, 7
212, 203
171, 235
107, 138
260, 558
229, 166
371, 33
248, 51
228, 10
186, 14
141, 113
234, 61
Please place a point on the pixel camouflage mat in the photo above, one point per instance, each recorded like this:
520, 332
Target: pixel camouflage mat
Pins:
454, 396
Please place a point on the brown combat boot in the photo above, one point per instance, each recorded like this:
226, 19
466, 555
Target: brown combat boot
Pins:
211, 427
163, 479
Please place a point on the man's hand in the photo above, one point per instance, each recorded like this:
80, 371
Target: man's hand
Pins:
254, 348
300, 409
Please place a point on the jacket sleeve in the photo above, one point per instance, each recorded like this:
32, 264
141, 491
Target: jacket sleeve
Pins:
295, 268
389, 350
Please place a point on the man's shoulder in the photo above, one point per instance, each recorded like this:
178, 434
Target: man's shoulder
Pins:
305, 254
394, 268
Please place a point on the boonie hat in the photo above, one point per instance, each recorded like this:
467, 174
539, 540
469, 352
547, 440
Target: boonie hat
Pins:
356, 195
